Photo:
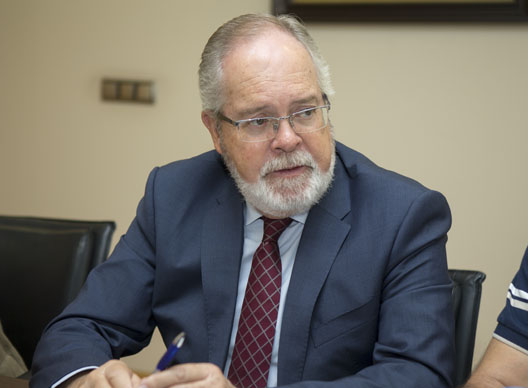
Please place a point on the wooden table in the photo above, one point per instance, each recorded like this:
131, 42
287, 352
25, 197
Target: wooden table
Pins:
11, 382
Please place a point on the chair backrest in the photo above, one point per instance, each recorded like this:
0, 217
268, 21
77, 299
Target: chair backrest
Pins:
467, 289
43, 265
101, 231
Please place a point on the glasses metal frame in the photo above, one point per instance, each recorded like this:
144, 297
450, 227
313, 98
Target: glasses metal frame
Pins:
275, 120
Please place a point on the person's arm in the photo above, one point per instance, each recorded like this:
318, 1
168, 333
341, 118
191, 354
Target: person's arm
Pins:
112, 315
415, 330
501, 366
415, 344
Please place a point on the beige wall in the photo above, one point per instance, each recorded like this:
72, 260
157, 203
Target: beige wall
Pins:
445, 104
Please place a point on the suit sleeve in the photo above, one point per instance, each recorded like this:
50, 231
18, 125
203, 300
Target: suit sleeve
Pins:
111, 317
415, 344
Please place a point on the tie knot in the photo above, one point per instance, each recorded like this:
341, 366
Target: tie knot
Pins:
274, 228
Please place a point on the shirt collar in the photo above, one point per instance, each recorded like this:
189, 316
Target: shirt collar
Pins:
251, 215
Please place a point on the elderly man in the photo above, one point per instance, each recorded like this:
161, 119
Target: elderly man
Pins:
287, 258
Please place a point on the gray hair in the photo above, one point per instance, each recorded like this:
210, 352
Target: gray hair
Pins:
224, 39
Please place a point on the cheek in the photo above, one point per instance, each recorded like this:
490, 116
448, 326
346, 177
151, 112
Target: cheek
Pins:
320, 147
249, 159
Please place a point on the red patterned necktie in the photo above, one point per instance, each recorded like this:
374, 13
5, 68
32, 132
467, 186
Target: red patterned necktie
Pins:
251, 358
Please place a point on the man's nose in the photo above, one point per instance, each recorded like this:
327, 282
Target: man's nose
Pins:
286, 139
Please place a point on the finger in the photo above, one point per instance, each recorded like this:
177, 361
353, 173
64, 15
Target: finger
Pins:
136, 381
116, 374
94, 378
206, 374
174, 375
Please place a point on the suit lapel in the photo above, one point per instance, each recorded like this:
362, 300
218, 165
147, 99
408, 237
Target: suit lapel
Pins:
221, 244
323, 235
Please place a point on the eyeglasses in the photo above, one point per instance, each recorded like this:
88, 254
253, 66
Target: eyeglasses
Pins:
266, 128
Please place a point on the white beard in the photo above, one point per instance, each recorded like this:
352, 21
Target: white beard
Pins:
284, 197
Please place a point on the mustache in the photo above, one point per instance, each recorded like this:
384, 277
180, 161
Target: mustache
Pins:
288, 160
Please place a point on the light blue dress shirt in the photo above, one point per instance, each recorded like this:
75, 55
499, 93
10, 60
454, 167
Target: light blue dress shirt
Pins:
288, 244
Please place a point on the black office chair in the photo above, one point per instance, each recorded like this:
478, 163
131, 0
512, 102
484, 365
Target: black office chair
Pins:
43, 264
467, 289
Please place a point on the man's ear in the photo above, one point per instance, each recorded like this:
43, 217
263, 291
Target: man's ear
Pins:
210, 122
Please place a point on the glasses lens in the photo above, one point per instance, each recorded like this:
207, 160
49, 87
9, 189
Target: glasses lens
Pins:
262, 129
259, 129
310, 120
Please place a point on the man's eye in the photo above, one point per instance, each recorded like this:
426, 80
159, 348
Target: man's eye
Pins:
259, 122
306, 114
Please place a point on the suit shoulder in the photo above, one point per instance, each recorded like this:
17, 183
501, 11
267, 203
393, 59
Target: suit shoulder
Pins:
195, 170
369, 174
193, 179
205, 160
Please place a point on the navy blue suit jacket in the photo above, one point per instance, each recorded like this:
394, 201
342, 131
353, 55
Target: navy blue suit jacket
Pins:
369, 302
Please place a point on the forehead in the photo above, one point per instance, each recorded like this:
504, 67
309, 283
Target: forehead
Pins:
270, 69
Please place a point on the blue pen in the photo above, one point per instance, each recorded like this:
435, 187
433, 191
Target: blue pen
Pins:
173, 348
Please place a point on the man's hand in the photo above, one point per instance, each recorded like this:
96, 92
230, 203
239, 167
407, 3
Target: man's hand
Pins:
188, 375
113, 374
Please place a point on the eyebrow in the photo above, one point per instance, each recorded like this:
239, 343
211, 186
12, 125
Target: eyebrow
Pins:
247, 112
311, 99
